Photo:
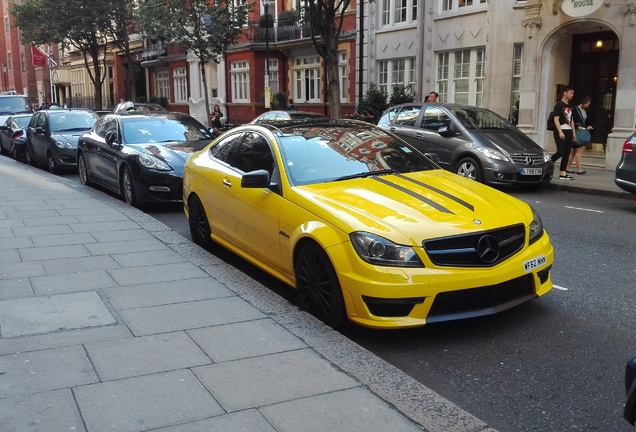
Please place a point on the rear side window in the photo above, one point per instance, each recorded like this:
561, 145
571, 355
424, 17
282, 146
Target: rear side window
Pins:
435, 118
408, 116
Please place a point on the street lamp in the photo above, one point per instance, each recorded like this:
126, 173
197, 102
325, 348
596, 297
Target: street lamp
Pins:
266, 4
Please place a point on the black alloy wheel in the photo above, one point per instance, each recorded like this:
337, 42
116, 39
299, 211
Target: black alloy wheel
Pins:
200, 230
28, 157
319, 291
83, 170
53, 168
128, 187
469, 168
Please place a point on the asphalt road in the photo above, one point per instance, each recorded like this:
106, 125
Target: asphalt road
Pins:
554, 364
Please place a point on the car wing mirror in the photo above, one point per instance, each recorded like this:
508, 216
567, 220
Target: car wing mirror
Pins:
110, 138
433, 156
3, 127
446, 131
255, 179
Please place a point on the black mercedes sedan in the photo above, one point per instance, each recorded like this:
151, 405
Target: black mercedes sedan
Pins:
140, 156
13, 134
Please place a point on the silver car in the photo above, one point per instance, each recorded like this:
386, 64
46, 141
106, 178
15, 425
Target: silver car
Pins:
471, 141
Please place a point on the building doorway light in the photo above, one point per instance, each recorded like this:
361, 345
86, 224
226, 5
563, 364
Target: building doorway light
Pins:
599, 43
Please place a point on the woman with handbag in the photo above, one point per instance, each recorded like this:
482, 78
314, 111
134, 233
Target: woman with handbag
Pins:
583, 135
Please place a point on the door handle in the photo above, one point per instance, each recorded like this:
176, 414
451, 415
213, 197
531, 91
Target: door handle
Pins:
419, 135
99, 150
227, 183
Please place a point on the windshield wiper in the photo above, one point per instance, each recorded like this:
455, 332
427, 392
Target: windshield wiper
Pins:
77, 129
368, 174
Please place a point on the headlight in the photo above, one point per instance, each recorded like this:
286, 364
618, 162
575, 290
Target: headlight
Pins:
380, 251
492, 153
546, 156
61, 144
536, 227
153, 163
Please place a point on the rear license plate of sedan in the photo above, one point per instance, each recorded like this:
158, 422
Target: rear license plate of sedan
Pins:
531, 171
534, 263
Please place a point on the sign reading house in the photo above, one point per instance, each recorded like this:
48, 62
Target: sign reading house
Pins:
580, 8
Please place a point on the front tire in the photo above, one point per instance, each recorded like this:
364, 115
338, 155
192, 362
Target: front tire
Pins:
469, 168
128, 187
200, 230
53, 168
83, 170
318, 288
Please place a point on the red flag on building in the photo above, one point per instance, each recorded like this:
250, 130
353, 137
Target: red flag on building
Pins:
38, 58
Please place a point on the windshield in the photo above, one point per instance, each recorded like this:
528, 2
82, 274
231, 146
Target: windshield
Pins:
322, 153
22, 121
140, 130
12, 105
474, 118
71, 121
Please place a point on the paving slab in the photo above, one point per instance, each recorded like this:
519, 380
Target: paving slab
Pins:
53, 252
143, 403
85, 264
109, 226
138, 259
265, 380
15, 288
41, 230
244, 421
126, 358
38, 315
41, 412
190, 315
156, 273
127, 235
72, 282
44, 370
354, 409
124, 246
10, 270
245, 339
63, 239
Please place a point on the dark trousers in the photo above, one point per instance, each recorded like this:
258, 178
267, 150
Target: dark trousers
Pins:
564, 147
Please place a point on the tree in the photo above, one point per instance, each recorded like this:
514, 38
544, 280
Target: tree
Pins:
72, 23
202, 27
325, 19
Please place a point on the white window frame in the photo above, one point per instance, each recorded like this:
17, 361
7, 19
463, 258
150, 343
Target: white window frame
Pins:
307, 79
343, 76
461, 5
180, 83
464, 81
240, 81
515, 85
397, 12
273, 76
396, 72
162, 84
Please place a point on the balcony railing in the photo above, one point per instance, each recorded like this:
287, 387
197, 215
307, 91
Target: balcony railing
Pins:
259, 33
154, 51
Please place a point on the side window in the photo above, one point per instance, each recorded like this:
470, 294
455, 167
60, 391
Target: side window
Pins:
110, 126
98, 127
408, 116
435, 118
40, 121
254, 154
226, 149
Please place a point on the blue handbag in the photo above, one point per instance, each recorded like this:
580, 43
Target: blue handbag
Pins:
583, 136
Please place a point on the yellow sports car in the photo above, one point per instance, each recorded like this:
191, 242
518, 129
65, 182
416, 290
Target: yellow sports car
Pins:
365, 227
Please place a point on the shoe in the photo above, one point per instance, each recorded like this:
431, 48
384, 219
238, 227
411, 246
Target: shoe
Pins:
582, 172
569, 172
565, 177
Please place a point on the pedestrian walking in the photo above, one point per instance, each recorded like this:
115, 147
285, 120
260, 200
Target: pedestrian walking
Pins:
582, 134
563, 131
432, 97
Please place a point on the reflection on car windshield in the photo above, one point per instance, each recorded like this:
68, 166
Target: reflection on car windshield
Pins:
480, 119
321, 154
67, 121
161, 130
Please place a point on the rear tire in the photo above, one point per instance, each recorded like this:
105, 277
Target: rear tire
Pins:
469, 168
318, 288
200, 230
28, 157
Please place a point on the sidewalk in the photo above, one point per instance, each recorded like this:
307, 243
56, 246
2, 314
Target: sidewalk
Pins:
594, 181
109, 321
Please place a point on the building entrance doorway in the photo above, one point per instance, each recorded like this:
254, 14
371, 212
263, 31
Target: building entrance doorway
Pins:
593, 72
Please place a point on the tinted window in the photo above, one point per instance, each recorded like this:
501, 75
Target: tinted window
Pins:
408, 115
253, 153
70, 121
137, 130
435, 118
21, 122
224, 149
480, 119
14, 104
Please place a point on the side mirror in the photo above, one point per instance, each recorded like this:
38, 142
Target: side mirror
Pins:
110, 138
3, 127
445, 131
255, 179
433, 156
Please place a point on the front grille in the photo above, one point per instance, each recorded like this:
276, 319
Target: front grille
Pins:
474, 299
527, 159
462, 251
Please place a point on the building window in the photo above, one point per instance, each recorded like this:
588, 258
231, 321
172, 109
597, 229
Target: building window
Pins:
399, 72
180, 80
22, 62
460, 5
9, 62
517, 58
306, 74
240, 78
6, 25
464, 83
162, 86
342, 76
398, 11
273, 76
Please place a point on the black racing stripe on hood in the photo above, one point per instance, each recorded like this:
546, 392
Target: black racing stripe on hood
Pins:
439, 191
413, 194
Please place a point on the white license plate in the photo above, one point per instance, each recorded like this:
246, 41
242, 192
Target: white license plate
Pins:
534, 263
531, 171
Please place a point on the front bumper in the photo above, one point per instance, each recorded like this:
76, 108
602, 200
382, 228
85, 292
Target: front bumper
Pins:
505, 173
158, 187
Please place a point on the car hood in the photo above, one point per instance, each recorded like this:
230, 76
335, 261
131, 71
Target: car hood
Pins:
67, 137
174, 153
412, 207
510, 141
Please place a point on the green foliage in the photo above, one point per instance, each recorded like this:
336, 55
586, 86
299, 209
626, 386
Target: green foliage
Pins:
400, 95
288, 17
372, 105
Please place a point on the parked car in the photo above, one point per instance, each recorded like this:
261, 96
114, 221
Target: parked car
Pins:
140, 156
629, 412
52, 137
138, 107
365, 226
472, 142
13, 135
282, 116
13, 104
625, 177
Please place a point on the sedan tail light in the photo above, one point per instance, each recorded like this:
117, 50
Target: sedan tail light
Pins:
628, 147
17, 134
